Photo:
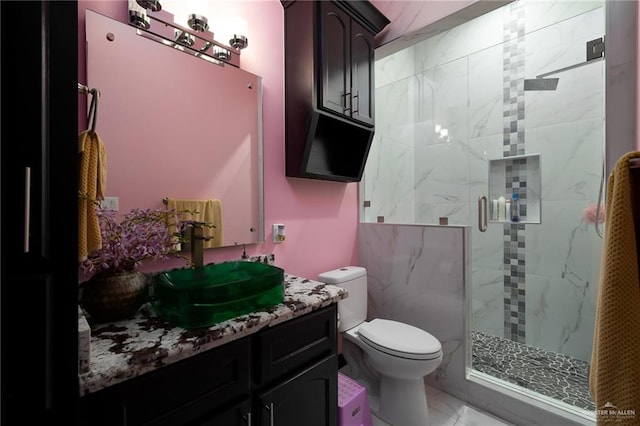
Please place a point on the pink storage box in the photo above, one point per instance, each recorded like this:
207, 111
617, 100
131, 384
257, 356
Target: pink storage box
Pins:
353, 406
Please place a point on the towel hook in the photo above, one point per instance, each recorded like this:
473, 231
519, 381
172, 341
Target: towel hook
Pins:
92, 117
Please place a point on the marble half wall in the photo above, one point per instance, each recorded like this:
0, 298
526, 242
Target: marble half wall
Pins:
416, 274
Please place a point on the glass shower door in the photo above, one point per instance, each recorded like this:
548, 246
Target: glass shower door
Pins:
454, 122
534, 282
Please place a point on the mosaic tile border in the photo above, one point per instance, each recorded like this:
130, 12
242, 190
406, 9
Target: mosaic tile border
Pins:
514, 282
548, 373
516, 171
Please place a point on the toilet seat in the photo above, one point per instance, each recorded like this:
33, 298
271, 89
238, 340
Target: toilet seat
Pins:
399, 339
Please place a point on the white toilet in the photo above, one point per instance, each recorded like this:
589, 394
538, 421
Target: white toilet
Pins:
394, 355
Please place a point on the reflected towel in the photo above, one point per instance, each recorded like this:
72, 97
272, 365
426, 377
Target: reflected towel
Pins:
92, 184
207, 211
615, 361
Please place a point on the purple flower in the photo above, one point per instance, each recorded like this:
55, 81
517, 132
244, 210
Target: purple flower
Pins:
141, 235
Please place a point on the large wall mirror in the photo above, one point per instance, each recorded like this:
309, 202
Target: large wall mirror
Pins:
177, 126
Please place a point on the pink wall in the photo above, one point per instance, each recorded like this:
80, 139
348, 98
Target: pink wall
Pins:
321, 218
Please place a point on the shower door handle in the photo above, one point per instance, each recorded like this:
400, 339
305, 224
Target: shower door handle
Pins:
482, 213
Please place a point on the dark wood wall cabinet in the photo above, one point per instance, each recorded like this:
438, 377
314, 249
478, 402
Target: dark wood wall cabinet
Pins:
329, 86
283, 375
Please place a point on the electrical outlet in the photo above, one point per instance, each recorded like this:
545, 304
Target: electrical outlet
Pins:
109, 203
278, 233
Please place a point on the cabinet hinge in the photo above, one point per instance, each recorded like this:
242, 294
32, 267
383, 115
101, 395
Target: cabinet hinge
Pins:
595, 48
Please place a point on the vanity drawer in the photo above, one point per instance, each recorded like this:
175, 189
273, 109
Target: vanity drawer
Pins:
296, 344
193, 386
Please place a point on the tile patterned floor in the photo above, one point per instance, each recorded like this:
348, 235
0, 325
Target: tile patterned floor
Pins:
548, 373
445, 410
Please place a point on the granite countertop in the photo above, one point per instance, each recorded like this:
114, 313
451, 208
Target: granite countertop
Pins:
122, 350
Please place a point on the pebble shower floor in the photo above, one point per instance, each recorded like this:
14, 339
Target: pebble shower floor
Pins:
548, 373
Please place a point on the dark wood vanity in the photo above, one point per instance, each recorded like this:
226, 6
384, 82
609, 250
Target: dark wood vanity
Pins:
285, 375
274, 367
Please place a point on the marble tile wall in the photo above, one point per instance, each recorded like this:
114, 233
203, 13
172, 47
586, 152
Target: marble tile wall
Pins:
416, 275
454, 81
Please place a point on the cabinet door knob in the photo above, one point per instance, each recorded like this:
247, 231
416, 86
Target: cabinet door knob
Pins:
270, 410
247, 418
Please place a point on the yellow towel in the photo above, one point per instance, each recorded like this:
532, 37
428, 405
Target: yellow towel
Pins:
615, 361
92, 184
208, 211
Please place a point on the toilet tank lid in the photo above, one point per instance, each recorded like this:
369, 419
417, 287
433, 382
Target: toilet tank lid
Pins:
341, 275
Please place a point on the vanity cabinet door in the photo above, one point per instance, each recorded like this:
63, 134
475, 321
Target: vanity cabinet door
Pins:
334, 57
297, 371
346, 57
309, 398
362, 77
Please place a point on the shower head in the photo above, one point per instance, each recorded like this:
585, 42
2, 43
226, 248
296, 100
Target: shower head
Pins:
531, 84
595, 52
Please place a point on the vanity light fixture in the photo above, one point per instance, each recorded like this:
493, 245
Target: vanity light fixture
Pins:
237, 29
221, 53
139, 19
192, 37
239, 41
184, 38
152, 5
198, 22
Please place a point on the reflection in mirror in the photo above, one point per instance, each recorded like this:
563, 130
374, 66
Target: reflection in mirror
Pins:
176, 126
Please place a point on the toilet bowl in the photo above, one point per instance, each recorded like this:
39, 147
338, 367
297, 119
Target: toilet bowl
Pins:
390, 357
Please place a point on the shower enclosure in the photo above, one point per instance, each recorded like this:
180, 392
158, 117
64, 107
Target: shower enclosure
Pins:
507, 103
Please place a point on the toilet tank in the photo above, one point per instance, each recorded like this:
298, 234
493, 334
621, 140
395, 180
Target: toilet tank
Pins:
352, 310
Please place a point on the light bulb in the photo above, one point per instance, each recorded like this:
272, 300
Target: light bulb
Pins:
238, 34
197, 11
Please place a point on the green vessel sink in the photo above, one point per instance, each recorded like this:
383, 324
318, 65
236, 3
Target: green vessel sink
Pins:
194, 298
